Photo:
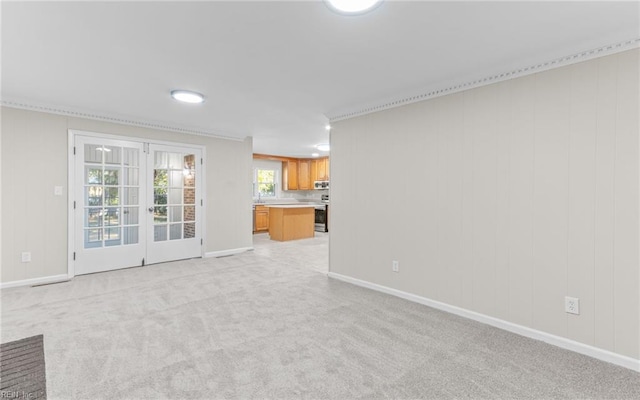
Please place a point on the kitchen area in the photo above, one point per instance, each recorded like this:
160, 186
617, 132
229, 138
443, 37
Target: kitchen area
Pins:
290, 197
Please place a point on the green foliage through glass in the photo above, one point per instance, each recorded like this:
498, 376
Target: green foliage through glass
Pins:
266, 182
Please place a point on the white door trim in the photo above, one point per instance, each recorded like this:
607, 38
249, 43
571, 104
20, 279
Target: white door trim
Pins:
71, 236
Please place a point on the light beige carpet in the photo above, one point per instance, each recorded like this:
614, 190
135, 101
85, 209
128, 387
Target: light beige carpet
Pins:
268, 324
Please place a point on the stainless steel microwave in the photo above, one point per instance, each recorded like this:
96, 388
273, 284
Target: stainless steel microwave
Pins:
321, 185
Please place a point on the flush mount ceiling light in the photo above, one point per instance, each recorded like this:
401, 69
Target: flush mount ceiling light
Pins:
187, 96
315, 155
323, 147
353, 7
327, 127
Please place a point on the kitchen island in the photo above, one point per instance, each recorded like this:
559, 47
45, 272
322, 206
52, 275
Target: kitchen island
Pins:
291, 221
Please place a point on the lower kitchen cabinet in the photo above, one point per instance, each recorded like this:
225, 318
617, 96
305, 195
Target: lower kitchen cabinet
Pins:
261, 218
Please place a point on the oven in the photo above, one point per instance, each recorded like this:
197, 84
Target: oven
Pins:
322, 218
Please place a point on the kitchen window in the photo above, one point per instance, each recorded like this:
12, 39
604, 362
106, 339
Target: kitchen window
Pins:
265, 185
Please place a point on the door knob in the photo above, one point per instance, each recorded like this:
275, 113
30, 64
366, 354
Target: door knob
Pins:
150, 209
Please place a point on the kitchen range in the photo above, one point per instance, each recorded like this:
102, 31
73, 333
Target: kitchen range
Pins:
322, 215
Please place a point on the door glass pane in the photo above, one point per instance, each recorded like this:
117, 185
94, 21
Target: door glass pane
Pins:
93, 175
189, 213
130, 235
190, 180
93, 153
176, 214
176, 178
111, 216
160, 178
160, 159
111, 196
160, 215
160, 195
175, 231
92, 238
189, 196
159, 233
130, 176
175, 161
111, 176
130, 196
130, 216
130, 157
111, 155
189, 230
93, 217
93, 195
112, 236
175, 196
189, 170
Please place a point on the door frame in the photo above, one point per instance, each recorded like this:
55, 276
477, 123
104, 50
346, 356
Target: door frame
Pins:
71, 214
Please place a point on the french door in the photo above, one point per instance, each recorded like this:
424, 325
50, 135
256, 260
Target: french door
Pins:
134, 203
174, 232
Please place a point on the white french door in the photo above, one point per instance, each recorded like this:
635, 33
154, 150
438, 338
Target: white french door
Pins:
109, 204
174, 231
134, 203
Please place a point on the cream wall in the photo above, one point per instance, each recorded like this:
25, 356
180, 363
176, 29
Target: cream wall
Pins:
502, 200
34, 160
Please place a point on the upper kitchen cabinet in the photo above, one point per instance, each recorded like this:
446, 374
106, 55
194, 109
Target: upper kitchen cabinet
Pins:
300, 173
319, 170
290, 175
304, 175
322, 169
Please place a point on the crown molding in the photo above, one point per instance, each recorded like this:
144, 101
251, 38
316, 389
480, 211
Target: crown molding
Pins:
113, 118
430, 93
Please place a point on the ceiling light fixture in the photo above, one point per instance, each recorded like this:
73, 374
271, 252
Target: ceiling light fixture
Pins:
187, 96
327, 127
323, 147
315, 155
353, 7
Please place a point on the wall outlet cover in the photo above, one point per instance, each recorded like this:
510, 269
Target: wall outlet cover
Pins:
572, 305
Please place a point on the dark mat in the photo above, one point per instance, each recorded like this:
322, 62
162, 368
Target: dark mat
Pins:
22, 371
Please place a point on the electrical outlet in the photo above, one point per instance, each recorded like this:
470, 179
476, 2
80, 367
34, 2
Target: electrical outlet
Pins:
26, 256
572, 305
395, 266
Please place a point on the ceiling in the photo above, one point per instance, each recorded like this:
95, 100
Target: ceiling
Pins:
277, 71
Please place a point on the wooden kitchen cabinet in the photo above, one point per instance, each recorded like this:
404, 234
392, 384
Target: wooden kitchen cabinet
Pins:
288, 222
323, 169
304, 175
301, 173
314, 171
261, 218
319, 170
290, 175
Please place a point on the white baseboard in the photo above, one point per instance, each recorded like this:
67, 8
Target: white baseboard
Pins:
35, 281
595, 352
229, 252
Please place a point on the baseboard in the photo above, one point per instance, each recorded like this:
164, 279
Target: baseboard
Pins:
229, 252
597, 353
35, 281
